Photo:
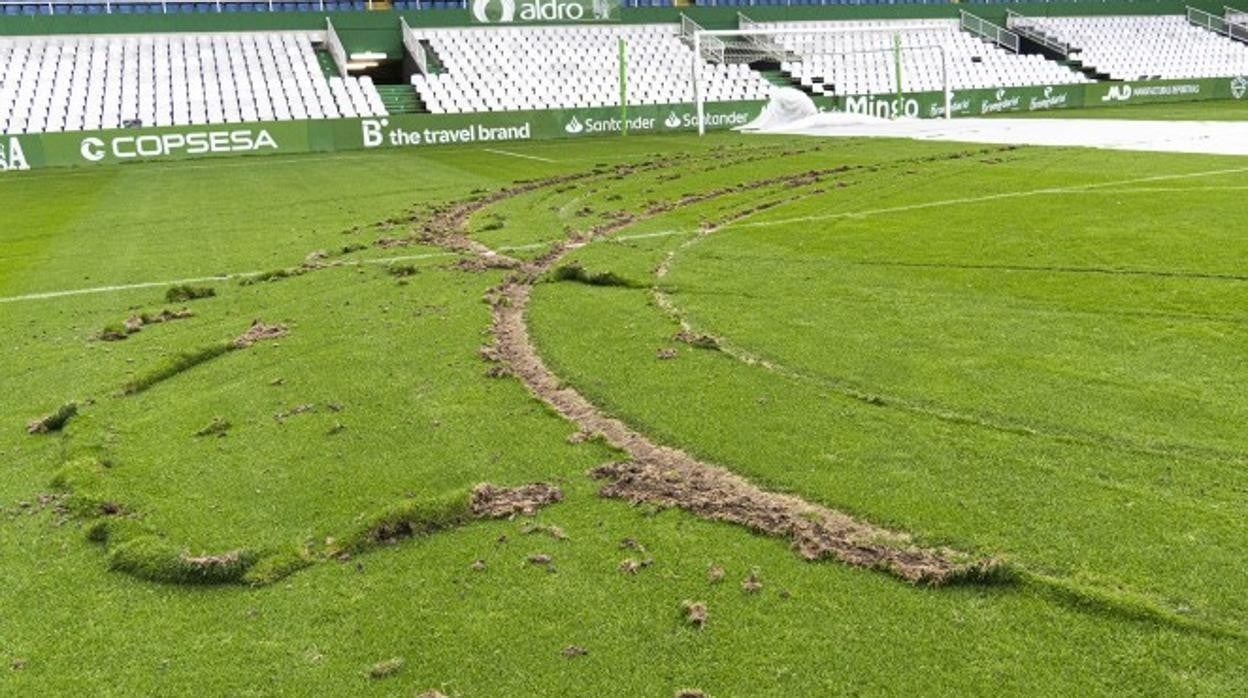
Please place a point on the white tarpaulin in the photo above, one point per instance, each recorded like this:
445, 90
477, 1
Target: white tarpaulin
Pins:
1211, 137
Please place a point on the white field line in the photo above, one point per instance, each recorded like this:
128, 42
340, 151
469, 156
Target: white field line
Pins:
518, 155
238, 275
1076, 189
1082, 188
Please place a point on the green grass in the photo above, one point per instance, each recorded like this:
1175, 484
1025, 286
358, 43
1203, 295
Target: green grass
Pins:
1054, 379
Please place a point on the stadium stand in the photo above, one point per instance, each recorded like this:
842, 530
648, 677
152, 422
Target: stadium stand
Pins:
87, 83
558, 67
864, 63
1146, 47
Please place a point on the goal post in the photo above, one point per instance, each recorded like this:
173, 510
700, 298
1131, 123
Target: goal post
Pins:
717, 45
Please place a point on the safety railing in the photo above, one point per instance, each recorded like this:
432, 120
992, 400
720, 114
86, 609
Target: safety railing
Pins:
336, 50
761, 46
1237, 23
1033, 30
712, 48
415, 49
981, 27
1206, 20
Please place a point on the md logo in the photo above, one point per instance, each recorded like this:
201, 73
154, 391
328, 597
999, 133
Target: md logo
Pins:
523, 11
1117, 93
12, 158
1239, 87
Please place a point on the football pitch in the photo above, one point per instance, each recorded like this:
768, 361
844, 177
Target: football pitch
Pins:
826, 416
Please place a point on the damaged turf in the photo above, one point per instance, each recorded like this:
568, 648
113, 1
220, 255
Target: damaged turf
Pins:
259, 332
493, 502
671, 478
53, 422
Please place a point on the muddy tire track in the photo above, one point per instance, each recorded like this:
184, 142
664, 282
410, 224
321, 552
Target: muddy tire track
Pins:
668, 477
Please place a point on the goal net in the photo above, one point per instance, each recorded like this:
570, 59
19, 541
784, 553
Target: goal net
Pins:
864, 69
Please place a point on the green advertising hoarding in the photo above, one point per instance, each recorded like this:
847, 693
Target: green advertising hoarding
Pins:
400, 131
543, 11
1156, 91
978, 102
985, 102
35, 151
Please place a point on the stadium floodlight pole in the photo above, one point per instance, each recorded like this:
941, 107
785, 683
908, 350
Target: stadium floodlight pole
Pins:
697, 52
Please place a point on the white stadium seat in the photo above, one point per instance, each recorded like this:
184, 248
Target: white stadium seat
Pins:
849, 62
88, 83
520, 68
1147, 47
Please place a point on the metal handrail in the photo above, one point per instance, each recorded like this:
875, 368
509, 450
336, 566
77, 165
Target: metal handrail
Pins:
767, 46
1033, 30
713, 51
336, 50
417, 50
983, 28
1207, 20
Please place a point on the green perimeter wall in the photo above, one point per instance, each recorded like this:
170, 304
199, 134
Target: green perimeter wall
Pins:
985, 102
425, 130
379, 31
39, 151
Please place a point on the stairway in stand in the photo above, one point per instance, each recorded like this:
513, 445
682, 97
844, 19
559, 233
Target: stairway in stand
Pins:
400, 99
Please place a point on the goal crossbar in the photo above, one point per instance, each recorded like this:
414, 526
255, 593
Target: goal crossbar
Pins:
717, 34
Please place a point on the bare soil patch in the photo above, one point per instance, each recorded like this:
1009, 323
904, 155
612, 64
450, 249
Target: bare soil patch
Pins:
491, 502
259, 332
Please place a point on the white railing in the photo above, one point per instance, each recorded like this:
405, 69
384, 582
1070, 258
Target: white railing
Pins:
712, 51
765, 45
1209, 21
1237, 23
415, 49
983, 28
336, 50
1033, 30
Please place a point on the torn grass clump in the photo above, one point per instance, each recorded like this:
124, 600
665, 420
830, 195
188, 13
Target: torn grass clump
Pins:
694, 613
152, 558
401, 271
53, 422
385, 668
183, 293
117, 332
697, 340
217, 427
411, 517
183, 361
575, 272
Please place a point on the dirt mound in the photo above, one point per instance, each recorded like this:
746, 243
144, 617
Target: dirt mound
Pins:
491, 502
675, 480
259, 332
